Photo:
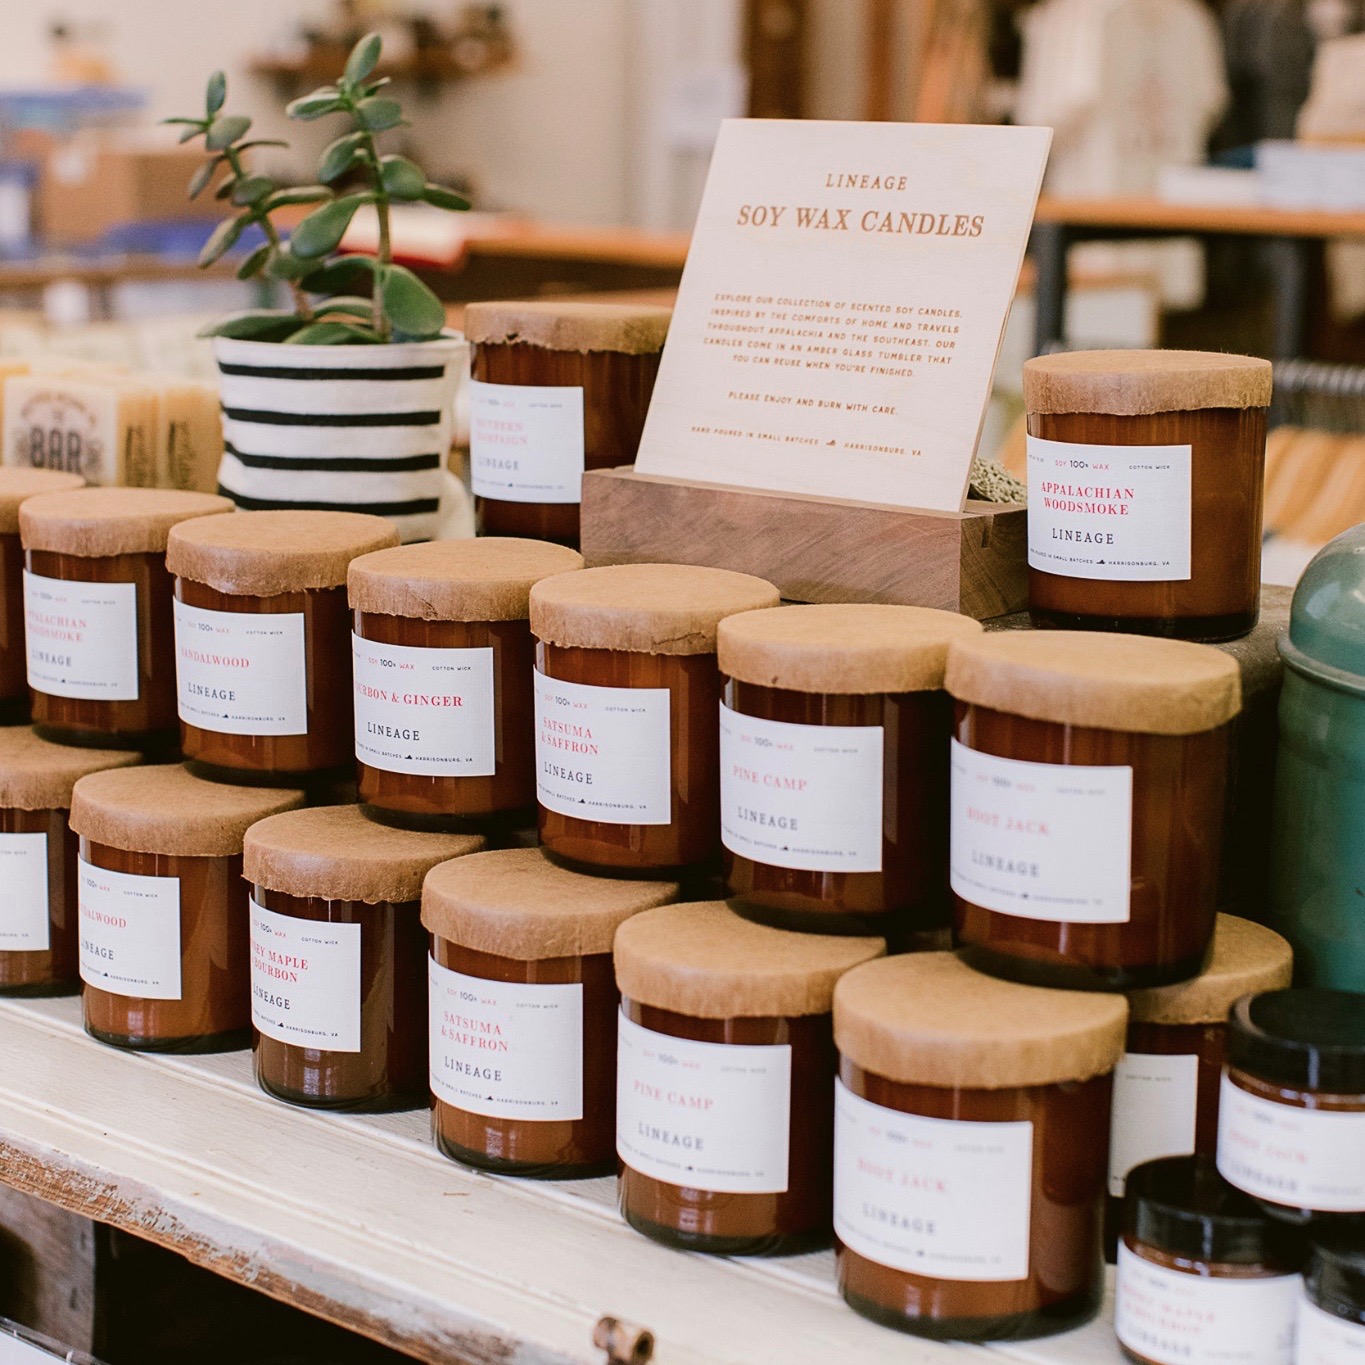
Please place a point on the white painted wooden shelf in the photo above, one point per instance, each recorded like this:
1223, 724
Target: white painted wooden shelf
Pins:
359, 1219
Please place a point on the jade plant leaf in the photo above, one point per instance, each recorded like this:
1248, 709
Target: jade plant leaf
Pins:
224, 131
223, 238
412, 308
257, 324
332, 334
348, 273
324, 228
340, 156
350, 304
378, 113
253, 263
252, 189
317, 105
443, 198
364, 58
215, 94
403, 179
298, 194
200, 179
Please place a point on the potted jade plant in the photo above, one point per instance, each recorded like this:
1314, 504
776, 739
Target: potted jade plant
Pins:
345, 399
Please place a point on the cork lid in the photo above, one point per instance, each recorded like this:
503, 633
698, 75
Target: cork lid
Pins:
18, 483
1132, 383
38, 775
166, 810
1109, 682
261, 554
335, 853
488, 579
703, 960
643, 608
514, 902
1247, 958
841, 648
95, 522
929, 1019
566, 325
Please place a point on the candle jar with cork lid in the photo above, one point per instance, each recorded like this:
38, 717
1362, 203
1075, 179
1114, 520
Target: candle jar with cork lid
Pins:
1331, 1321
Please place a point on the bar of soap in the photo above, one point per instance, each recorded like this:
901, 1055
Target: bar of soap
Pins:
103, 430
189, 435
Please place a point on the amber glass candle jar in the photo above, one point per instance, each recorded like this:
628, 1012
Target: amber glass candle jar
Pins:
971, 1129
1291, 1117
1204, 1277
18, 484
523, 1011
627, 707
558, 387
442, 663
1146, 471
1088, 781
262, 641
163, 944
97, 612
38, 934
1331, 1323
834, 733
338, 956
725, 1064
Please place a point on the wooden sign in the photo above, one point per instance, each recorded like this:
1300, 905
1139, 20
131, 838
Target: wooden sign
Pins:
842, 308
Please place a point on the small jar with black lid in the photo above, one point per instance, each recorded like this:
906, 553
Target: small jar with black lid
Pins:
523, 1010
1291, 1117
834, 733
725, 1069
443, 661
1204, 1276
1331, 1326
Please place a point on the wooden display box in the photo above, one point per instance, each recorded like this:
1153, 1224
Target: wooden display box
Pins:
814, 549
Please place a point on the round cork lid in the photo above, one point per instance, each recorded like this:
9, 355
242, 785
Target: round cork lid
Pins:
96, 522
514, 902
929, 1019
1247, 958
261, 554
1109, 682
38, 775
841, 648
167, 810
18, 483
488, 579
565, 325
334, 853
703, 960
643, 608
1134, 383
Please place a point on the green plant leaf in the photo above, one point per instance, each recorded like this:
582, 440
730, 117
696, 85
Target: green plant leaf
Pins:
339, 157
225, 189
190, 133
331, 334
443, 198
252, 189
297, 194
284, 265
402, 178
317, 105
352, 305
378, 113
375, 86
411, 306
199, 181
198, 122
324, 228
257, 324
224, 238
260, 142
224, 131
215, 94
253, 264
339, 276
364, 58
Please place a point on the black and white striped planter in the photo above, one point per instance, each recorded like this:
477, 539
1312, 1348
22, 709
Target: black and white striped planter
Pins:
343, 428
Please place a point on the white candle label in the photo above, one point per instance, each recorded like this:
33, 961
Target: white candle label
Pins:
241, 673
1325, 1339
424, 711
1302, 1158
81, 638
941, 1198
508, 1049
603, 753
1174, 1318
130, 933
1045, 841
526, 442
1155, 1106
1121, 513
25, 913
801, 796
305, 981
706, 1116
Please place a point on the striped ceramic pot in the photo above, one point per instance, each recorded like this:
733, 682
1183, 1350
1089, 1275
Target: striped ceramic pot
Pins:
344, 428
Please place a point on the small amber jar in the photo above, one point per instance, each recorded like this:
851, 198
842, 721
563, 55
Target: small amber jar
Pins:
1291, 1117
1089, 774
558, 387
163, 944
834, 735
97, 613
523, 1011
1146, 471
442, 665
971, 1130
338, 956
38, 934
1331, 1323
1204, 1276
18, 483
725, 1067
627, 708
262, 642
